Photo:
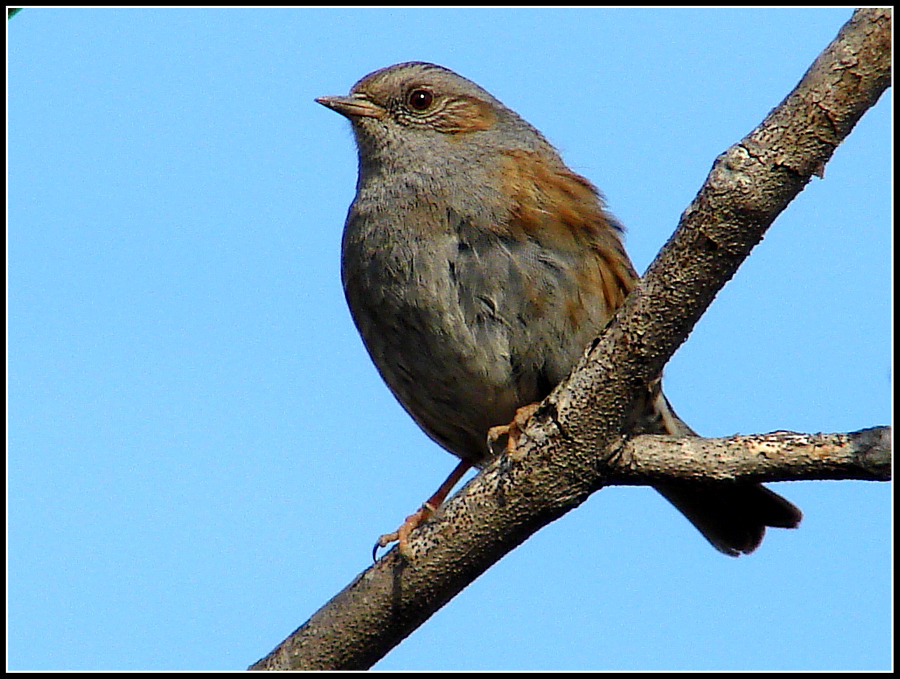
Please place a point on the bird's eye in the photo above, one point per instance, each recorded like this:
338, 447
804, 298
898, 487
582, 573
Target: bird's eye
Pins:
420, 99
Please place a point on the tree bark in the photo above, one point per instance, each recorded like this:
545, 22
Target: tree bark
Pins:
779, 456
574, 443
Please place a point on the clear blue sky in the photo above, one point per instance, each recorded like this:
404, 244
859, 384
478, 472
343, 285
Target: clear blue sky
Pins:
200, 452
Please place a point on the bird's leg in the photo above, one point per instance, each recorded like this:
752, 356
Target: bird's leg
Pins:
513, 430
401, 535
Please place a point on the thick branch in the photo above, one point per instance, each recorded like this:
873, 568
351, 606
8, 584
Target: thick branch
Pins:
559, 465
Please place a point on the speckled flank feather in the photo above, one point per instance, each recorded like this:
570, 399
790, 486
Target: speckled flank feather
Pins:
563, 211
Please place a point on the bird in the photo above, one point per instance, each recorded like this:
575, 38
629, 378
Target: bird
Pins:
477, 266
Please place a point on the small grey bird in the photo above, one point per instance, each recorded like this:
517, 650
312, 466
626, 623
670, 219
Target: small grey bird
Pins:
478, 267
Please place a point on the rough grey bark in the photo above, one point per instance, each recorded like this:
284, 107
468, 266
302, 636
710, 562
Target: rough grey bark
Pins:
573, 445
778, 456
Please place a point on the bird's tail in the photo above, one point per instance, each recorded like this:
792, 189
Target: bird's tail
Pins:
732, 516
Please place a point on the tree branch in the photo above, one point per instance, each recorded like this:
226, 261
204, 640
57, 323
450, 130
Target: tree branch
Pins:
573, 444
863, 455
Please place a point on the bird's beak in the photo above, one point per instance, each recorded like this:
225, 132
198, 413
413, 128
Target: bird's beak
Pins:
354, 106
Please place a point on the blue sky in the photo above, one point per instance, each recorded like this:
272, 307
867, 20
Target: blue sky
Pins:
200, 453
